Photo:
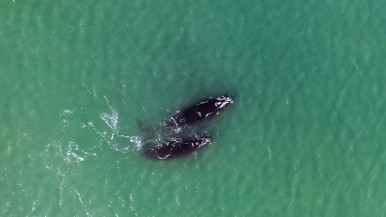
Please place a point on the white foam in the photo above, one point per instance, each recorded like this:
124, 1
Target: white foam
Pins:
63, 117
137, 141
111, 120
70, 155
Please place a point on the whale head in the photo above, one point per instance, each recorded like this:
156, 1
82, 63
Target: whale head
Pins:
223, 100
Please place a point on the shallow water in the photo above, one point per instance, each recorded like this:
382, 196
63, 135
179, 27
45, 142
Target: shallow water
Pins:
305, 136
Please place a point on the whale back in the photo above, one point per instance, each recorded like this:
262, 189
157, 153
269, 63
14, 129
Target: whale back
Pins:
176, 147
204, 109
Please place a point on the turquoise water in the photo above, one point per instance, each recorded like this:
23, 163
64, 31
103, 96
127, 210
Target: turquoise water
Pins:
305, 136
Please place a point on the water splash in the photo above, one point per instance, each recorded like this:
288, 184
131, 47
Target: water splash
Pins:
136, 140
64, 115
71, 155
112, 121
73, 152
116, 140
70, 152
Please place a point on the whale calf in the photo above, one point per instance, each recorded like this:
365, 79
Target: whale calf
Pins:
176, 147
199, 111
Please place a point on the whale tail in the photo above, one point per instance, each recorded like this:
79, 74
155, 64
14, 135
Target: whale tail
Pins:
147, 131
141, 126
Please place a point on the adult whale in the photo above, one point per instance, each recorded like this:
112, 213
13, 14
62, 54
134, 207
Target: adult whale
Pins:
176, 147
199, 111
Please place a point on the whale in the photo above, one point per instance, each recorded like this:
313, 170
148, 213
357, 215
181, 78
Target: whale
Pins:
199, 111
169, 140
176, 147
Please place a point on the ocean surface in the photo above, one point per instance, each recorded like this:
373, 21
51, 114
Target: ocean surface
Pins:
305, 136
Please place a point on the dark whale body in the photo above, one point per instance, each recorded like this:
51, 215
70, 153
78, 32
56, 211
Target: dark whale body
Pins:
199, 111
173, 140
176, 147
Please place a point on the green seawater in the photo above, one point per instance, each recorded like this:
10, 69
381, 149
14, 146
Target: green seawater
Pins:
305, 136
